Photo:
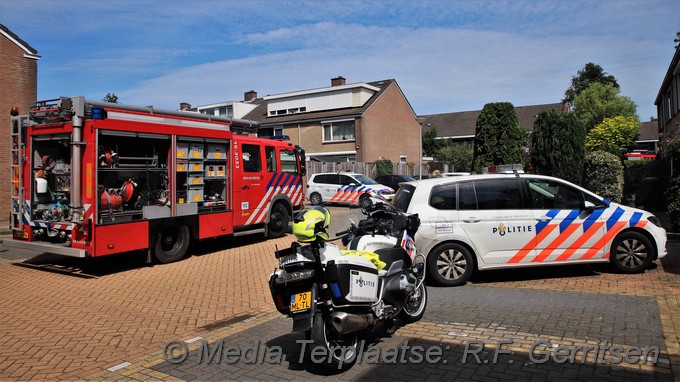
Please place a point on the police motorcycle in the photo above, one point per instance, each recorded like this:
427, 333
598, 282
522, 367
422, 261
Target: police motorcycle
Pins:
337, 296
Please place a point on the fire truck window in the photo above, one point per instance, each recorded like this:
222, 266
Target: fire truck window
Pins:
251, 158
270, 152
288, 161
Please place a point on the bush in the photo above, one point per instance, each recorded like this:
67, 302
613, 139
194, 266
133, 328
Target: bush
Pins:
673, 202
384, 167
603, 175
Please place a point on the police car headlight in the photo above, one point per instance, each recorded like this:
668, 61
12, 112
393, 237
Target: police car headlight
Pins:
386, 191
654, 220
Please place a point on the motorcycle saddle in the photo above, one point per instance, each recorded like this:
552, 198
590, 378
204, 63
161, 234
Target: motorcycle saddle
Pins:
392, 255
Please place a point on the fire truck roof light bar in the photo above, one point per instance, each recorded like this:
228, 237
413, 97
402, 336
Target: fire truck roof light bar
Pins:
60, 109
234, 122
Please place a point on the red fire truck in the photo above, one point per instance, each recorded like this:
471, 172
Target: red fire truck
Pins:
95, 178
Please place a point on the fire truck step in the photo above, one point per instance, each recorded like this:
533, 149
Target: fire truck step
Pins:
71, 271
249, 232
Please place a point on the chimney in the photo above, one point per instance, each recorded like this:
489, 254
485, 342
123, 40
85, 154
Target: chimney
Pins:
338, 81
566, 107
249, 95
184, 106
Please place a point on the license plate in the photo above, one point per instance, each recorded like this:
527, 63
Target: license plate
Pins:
300, 302
23, 235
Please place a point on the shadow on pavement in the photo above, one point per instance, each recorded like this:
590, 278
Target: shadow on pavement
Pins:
541, 273
122, 262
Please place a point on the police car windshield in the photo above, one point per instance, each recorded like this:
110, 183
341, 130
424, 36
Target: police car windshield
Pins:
365, 180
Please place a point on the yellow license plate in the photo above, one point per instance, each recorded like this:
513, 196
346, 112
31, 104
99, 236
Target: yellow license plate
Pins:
23, 235
300, 302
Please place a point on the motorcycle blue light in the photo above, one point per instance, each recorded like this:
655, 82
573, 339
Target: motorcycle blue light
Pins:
336, 290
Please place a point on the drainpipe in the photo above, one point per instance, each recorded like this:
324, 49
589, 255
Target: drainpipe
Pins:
76, 141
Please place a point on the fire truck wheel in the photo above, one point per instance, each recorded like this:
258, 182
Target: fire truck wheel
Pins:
278, 221
172, 244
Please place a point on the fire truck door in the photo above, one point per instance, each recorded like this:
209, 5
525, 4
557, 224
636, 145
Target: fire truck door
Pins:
249, 184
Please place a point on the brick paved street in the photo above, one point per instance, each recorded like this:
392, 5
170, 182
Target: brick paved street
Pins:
59, 326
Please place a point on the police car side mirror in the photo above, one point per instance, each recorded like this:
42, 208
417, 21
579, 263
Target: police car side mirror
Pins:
589, 207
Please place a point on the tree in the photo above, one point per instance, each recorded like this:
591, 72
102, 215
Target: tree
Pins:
614, 135
600, 101
557, 145
458, 155
110, 97
677, 40
591, 73
499, 138
430, 142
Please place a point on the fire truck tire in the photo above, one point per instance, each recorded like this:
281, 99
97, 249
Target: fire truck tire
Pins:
172, 244
278, 221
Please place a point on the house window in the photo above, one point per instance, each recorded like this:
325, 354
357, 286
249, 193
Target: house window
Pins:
338, 131
270, 131
669, 112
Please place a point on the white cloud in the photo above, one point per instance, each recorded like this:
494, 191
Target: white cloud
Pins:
439, 69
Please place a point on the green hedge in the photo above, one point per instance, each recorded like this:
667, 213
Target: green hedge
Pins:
673, 203
603, 175
384, 167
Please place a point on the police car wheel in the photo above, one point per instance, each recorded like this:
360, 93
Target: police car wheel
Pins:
315, 199
450, 264
365, 201
631, 252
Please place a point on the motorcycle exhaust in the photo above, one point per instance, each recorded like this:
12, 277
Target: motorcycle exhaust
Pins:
348, 323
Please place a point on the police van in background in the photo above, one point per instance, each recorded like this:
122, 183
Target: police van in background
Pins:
492, 221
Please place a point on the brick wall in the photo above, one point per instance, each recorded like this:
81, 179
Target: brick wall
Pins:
18, 87
389, 129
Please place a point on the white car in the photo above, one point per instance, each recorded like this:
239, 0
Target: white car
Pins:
479, 222
345, 187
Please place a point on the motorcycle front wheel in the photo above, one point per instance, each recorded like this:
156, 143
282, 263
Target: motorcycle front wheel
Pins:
341, 349
415, 305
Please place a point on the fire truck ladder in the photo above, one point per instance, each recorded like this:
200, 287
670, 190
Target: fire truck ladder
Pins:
17, 154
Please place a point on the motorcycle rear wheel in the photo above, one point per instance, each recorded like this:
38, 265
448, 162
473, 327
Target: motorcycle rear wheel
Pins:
415, 305
341, 349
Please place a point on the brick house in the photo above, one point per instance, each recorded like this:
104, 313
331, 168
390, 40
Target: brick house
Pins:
360, 122
461, 126
668, 100
18, 87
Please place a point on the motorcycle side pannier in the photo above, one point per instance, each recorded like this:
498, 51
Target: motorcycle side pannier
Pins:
353, 280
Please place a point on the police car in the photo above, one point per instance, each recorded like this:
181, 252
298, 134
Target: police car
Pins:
490, 221
345, 187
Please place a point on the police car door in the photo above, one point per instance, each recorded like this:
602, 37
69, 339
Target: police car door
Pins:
565, 230
495, 218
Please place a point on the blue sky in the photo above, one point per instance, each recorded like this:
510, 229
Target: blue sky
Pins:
447, 56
